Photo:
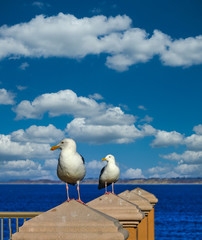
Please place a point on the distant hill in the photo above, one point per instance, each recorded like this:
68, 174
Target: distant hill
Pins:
121, 181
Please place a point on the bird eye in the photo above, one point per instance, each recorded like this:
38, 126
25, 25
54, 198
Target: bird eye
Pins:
62, 142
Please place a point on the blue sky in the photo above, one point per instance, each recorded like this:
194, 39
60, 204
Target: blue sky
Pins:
119, 77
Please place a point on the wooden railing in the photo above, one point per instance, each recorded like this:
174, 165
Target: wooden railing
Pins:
16, 216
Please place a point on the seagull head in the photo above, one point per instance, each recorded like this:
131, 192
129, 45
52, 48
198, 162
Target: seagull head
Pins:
66, 143
109, 158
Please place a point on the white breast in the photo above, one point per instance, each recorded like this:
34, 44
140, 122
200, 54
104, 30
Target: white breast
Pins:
70, 167
111, 173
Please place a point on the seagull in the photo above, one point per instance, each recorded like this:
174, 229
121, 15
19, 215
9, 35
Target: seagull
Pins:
109, 174
71, 165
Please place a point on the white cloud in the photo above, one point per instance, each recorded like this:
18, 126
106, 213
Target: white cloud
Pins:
147, 130
24, 65
93, 122
124, 46
99, 134
93, 168
62, 102
194, 142
163, 172
165, 139
198, 129
22, 151
147, 119
38, 4
38, 134
186, 157
77, 37
142, 107
21, 164
94, 164
133, 173
50, 164
23, 169
189, 170
21, 88
133, 46
67, 102
157, 170
181, 170
6, 97
96, 96
183, 52
112, 116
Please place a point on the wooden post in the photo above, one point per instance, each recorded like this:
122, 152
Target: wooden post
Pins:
145, 206
128, 214
153, 200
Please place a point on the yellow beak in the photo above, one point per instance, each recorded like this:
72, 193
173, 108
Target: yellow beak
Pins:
54, 147
103, 159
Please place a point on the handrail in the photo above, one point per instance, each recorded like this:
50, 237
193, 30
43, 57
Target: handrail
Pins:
16, 215
19, 214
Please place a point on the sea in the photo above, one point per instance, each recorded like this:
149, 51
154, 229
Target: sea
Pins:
178, 213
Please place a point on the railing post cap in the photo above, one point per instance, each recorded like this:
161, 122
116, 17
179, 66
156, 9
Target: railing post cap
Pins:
117, 207
151, 197
73, 220
140, 201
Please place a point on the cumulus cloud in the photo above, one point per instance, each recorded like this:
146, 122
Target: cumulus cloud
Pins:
6, 97
189, 170
147, 119
198, 129
133, 173
183, 52
38, 134
77, 37
112, 116
62, 102
114, 36
96, 96
157, 170
82, 131
170, 171
23, 169
93, 168
22, 151
134, 46
24, 65
142, 107
21, 88
50, 164
190, 157
38, 4
147, 130
165, 139
93, 122
194, 142
94, 164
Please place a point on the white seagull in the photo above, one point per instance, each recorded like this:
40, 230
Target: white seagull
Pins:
71, 165
109, 174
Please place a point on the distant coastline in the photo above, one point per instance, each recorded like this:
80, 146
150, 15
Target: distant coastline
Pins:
121, 181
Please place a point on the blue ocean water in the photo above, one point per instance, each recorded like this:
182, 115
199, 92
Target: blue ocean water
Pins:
178, 213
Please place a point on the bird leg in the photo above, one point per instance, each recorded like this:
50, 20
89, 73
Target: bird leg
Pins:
106, 188
67, 192
113, 188
79, 199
